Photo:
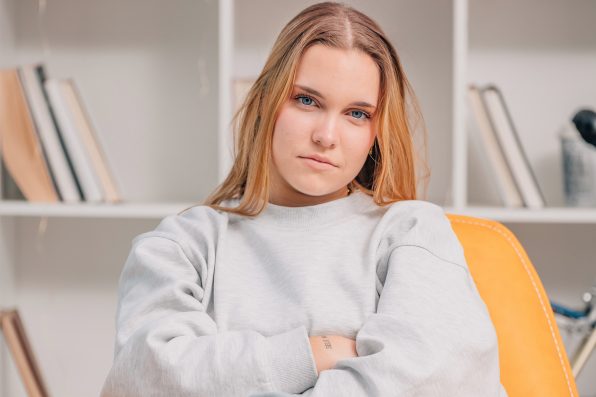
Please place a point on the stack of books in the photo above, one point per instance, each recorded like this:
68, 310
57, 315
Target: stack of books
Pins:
49, 149
512, 172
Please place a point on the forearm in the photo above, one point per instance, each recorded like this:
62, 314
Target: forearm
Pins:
329, 349
429, 336
166, 341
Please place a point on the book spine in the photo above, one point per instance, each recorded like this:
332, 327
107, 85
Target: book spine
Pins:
22, 152
538, 198
511, 145
77, 194
507, 188
73, 140
27, 95
94, 147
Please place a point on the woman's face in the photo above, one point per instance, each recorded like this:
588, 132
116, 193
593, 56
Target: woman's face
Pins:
329, 116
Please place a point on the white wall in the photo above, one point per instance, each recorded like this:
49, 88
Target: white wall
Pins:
147, 71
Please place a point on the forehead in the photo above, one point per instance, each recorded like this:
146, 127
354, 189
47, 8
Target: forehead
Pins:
343, 75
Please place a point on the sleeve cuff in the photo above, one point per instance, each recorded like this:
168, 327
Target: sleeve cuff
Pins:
293, 365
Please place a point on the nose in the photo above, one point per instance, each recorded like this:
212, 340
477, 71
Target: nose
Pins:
326, 132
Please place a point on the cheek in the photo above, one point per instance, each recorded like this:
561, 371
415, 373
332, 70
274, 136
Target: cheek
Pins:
357, 150
291, 128
358, 159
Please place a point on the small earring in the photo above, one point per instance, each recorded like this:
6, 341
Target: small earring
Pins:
370, 151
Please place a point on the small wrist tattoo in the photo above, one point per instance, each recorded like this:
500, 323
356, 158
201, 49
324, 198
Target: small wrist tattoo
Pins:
326, 342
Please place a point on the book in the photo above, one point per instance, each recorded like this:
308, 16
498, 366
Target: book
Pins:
21, 149
60, 98
36, 131
502, 123
91, 143
33, 76
22, 353
508, 191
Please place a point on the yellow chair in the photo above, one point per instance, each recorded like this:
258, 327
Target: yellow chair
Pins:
533, 359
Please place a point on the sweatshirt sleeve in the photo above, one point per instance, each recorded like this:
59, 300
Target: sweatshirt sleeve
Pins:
167, 344
431, 334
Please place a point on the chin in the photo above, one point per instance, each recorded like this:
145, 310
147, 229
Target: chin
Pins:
311, 189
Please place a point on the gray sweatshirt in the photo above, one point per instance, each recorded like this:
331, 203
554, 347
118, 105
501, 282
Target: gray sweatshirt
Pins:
214, 304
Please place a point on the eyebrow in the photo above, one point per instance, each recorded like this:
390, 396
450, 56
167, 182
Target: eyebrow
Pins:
317, 93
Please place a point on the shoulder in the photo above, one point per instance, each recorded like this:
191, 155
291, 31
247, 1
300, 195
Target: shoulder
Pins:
412, 215
197, 230
422, 224
415, 208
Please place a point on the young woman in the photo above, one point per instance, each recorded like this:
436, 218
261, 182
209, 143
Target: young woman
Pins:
312, 269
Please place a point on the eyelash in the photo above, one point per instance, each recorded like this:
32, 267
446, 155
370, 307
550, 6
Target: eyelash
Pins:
297, 97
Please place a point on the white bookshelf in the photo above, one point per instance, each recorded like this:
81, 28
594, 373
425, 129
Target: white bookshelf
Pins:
552, 215
157, 211
157, 79
102, 211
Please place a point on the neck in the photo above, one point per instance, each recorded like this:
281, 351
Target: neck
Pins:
314, 216
299, 199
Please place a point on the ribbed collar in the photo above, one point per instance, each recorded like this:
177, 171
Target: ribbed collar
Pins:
331, 212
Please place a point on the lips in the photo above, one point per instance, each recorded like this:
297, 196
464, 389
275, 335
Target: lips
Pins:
320, 159
316, 165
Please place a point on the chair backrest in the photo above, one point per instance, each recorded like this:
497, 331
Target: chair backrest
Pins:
532, 356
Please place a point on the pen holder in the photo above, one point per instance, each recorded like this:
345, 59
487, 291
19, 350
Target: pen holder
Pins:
579, 169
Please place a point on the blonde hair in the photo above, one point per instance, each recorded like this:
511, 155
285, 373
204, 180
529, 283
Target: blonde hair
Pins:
388, 175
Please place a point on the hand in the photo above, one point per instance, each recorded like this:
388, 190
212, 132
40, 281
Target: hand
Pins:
329, 349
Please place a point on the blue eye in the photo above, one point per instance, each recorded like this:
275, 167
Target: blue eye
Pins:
300, 97
307, 100
366, 116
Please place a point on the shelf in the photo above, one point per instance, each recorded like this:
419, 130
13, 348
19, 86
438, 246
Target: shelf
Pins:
524, 215
123, 210
160, 210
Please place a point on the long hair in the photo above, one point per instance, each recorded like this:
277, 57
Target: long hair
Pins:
388, 175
